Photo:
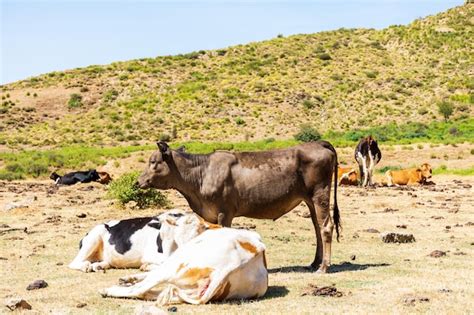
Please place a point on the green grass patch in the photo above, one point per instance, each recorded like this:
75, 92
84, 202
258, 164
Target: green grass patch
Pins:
444, 170
39, 163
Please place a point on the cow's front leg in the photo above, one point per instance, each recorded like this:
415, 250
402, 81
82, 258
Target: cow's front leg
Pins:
224, 219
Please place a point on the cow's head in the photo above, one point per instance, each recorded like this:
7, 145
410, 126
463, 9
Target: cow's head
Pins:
158, 172
105, 178
425, 171
54, 176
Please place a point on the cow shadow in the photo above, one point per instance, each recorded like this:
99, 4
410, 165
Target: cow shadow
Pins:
273, 291
344, 266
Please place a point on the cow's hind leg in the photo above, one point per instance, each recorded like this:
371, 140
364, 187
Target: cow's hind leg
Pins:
318, 257
321, 201
91, 247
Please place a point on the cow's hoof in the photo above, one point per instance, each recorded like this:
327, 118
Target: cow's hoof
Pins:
322, 269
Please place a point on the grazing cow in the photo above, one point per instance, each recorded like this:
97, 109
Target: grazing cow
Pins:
105, 178
413, 176
347, 176
220, 264
263, 185
367, 154
75, 177
133, 243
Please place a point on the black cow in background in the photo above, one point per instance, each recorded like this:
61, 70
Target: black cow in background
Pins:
75, 177
367, 154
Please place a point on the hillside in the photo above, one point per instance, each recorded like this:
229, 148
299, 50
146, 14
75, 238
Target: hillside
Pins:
337, 80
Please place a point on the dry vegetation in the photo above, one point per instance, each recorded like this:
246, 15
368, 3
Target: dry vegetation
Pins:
337, 80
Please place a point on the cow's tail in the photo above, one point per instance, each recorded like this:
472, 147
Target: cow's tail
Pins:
336, 217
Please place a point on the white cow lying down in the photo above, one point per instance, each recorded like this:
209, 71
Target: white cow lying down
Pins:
219, 264
133, 243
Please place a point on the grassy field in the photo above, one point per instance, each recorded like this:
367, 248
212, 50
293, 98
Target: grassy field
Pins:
19, 164
381, 278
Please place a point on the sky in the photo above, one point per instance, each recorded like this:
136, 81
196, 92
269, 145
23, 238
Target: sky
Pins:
40, 36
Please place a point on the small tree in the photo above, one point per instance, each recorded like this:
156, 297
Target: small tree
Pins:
446, 109
75, 100
307, 134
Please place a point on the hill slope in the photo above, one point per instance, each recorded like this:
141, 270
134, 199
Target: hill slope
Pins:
337, 80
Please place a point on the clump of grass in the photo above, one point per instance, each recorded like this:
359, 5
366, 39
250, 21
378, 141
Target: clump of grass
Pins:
75, 101
125, 189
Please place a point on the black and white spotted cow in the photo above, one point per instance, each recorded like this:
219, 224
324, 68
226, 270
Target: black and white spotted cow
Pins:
367, 154
75, 177
132, 243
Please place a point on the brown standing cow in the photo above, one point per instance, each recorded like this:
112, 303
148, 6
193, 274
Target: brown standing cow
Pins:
263, 185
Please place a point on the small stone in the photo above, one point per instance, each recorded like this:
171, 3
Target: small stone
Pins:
448, 227
59, 264
402, 226
37, 284
397, 238
353, 257
437, 254
81, 215
411, 300
445, 290
81, 305
173, 309
371, 230
17, 303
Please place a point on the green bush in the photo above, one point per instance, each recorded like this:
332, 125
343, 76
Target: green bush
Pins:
307, 134
446, 109
125, 189
75, 100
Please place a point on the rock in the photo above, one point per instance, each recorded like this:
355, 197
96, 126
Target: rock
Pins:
469, 223
445, 290
437, 254
59, 264
448, 227
149, 310
322, 291
173, 309
20, 204
402, 226
459, 253
37, 284
4, 226
17, 303
353, 257
132, 205
411, 300
437, 217
81, 215
81, 305
390, 237
390, 210
371, 230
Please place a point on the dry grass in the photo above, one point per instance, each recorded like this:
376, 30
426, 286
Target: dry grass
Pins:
377, 281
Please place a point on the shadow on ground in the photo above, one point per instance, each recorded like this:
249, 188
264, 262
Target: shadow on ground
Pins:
345, 266
273, 291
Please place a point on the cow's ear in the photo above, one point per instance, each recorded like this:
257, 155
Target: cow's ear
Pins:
164, 148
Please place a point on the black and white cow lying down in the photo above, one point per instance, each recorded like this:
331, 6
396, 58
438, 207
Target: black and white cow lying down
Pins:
134, 243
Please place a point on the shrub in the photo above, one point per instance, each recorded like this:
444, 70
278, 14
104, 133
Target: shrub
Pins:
324, 56
307, 134
125, 189
308, 104
75, 100
239, 121
446, 109
165, 137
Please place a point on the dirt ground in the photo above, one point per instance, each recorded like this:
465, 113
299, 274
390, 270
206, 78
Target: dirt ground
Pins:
374, 277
